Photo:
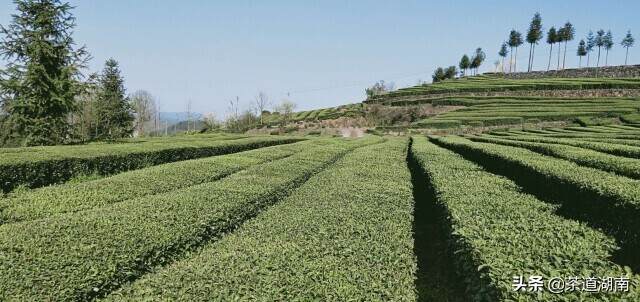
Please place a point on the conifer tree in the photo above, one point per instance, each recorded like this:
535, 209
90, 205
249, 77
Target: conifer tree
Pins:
591, 43
464, 64
503, 53
627, 42
552, 38
115, 115
581, 52
533, 36
608, 44
568, 34
477, 60
41, 78
515, 40
599, 41
559, 40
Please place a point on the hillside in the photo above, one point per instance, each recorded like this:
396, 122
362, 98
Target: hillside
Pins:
481, 103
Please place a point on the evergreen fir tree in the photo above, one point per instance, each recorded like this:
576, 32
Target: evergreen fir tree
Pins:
591, 43
627, 42
533, 36
568, 33
581, 52
464, 64
477, 60
41, 79
599, 41
552, 38
114, 113
515, 40
503, 53
608, 44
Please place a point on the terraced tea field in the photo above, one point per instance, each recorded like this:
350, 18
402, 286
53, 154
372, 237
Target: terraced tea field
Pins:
216, 218
491, 100
495, 84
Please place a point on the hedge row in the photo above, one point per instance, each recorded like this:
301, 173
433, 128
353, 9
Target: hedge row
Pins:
526, 101
633, 118
615, 149
83, 255
591, 135
603, 130
623, 166
345, 235
497, 233
436, 124
553, 133
58, 164
500, 84
623, 127
70, 197
600, 198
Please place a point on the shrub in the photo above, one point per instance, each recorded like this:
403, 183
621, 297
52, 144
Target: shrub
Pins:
40, 166
111, 245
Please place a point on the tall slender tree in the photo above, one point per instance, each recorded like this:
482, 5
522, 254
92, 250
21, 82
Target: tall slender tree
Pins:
515, 40
608, 44
477, 59
559, 40
568, 34
503, 53
552, 37
599, 41
115, 114
581, 52
42, 75
591, 43
533, 36
464, 64
627, 42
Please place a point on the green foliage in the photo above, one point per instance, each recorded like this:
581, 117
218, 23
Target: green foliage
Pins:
591, 41
486, 83
436, 124
503, 50
438, 75
38, 87
111, 245
444, 74
616, 164
496, 231
615, 149
38, 167
74, 197
515, 39
552, 36
351, 242
535, 29
477, 59
582, 49
534, 34
465, 63
631, 118
114, 112
628, 40
567, 32
608, 40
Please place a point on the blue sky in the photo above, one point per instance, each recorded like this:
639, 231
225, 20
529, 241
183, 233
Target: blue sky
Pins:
323, 53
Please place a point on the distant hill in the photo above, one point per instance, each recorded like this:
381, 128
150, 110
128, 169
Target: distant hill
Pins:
176, 117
